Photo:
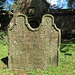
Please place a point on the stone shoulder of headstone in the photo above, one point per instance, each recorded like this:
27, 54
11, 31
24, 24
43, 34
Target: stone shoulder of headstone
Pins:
12, 24
53, 24
50, 16
26, 23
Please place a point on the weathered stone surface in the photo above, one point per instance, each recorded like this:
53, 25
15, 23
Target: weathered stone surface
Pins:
33, 48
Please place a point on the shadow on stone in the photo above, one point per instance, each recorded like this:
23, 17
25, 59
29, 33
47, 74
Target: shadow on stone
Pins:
5, 60
68, 54
62, 47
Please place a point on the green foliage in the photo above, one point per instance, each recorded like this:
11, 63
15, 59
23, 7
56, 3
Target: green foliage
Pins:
2, 1
9, 13
10, 10
2, 35
71, 3
3, 67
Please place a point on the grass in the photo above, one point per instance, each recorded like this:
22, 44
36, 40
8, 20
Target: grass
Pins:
67, 62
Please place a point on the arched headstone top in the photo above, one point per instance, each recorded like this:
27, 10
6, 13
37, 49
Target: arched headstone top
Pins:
49, 16
31, 48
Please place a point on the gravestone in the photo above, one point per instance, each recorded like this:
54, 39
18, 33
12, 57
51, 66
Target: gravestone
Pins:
33, 45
